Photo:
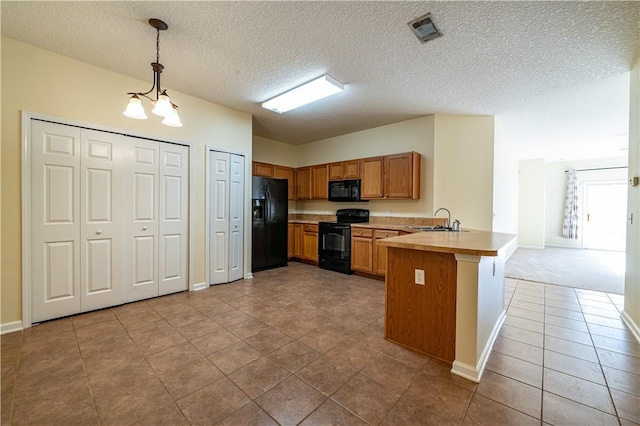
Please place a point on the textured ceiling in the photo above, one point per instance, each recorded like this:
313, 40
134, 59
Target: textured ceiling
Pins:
517, 60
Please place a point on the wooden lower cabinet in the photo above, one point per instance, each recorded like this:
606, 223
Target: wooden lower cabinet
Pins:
303, 242
362, 249
297, 243
422, 317
379, 252
366, 255
291, 242
310, 243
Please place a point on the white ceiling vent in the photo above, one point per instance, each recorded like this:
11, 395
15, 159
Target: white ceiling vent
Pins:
424, 28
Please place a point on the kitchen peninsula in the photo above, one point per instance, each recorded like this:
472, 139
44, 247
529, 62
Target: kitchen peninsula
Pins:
444, 295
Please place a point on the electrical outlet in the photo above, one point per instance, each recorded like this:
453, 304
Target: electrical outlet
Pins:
421, 214
387, 212
420, 276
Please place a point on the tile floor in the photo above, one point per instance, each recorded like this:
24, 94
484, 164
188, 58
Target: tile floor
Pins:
304, 345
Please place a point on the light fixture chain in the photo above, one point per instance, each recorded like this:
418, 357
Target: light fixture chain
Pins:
157, 45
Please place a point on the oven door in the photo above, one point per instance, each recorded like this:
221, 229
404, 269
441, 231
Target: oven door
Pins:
334, 240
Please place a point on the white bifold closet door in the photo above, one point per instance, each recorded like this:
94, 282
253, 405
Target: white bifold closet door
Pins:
109, 219
226, 213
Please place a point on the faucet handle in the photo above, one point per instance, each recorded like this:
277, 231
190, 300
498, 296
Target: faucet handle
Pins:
456, 225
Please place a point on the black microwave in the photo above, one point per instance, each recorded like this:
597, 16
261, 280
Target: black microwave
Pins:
344, 190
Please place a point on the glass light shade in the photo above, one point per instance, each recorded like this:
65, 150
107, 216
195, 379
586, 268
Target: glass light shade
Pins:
172, 119
302, 95
135, 109
163, 105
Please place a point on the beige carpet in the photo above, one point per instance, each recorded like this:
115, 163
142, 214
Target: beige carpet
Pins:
588, 269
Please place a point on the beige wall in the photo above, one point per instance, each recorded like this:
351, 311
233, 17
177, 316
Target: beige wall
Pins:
632, 277
274, 152
463, 170
505, 184
531, 204
38, 81
555, 189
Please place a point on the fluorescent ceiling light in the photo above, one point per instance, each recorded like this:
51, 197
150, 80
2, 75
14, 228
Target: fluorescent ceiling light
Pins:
305, 94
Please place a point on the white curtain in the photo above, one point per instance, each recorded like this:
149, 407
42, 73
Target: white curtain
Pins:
570, 224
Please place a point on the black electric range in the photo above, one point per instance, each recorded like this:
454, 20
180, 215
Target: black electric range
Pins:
334, 240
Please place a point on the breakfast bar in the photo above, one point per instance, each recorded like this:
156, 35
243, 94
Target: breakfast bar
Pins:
444, 295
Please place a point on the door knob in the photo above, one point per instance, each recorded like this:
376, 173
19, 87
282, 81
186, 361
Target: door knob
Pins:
98, 232
144, 228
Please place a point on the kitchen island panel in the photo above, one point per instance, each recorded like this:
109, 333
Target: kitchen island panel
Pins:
422, 317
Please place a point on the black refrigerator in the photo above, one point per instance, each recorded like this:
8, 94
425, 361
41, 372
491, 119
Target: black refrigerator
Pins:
270, 211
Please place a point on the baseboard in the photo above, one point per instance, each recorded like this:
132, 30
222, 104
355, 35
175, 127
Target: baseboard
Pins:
635, 329
474, 373
10, 327
531, 247
200, 286
249, 276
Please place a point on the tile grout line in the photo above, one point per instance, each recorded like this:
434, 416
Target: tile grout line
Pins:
604, 376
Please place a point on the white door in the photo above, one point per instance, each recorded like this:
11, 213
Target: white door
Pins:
219, 176
605, 220
173, 226
141, 218
55, 220
236, 217
101, 217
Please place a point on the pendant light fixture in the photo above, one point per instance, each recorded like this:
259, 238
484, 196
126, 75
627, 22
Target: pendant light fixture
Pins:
162, 103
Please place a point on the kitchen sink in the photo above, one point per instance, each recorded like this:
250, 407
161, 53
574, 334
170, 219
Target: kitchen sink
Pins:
437, 228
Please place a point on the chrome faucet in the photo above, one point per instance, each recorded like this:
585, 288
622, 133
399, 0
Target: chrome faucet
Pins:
448, 212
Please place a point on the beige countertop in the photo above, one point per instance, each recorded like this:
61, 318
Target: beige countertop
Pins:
304, 222
476, 243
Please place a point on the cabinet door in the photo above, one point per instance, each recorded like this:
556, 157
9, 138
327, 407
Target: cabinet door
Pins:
362, 249
310, 243
351, 169
400, 175
262, 169
303, 183
320, 179
380, 252
291, 241
281, 172
336, 171
372, 177
297, 248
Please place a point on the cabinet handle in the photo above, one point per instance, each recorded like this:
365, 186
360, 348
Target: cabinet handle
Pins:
381, 195
98, 232
144, 228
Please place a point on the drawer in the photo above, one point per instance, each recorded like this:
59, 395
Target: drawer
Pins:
362, 232
384, 233
311, 228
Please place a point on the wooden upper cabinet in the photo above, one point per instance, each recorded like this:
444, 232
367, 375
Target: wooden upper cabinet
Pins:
391, 176
320, 182
402, 175
262, 169
303, 183
344, 170
372, 185
282, 172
